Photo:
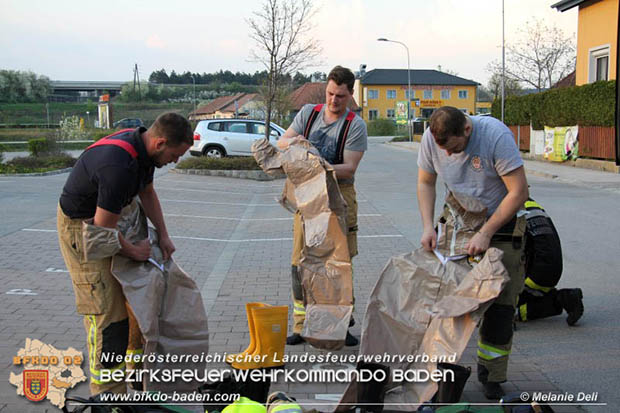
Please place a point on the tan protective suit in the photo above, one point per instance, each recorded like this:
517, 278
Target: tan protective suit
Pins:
311, 188
165, 300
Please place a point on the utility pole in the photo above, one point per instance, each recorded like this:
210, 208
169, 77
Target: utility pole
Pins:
136, 79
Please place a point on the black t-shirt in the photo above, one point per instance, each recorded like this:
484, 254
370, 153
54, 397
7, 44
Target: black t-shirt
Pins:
108, 177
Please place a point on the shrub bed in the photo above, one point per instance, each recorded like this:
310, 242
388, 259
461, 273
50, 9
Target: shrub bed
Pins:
237, 163
32, 164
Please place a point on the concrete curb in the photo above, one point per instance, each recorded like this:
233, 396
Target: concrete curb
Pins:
48, 173
583, 163
243, 174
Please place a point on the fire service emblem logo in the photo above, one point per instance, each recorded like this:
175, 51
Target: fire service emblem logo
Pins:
476, 163
35, 384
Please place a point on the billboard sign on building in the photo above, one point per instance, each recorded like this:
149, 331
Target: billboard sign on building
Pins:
400, 112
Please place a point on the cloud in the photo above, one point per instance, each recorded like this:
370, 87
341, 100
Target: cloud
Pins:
155, 42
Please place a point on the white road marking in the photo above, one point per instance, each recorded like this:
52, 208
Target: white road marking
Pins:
249, 219
52, 269
273, 239
228, 219
21, 291
38, 230
215, 191
220, 203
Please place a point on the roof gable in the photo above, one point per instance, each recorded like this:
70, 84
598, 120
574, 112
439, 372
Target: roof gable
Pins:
217, 104
567, 4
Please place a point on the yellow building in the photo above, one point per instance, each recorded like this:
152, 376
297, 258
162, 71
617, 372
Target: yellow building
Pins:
383, 93
597, 38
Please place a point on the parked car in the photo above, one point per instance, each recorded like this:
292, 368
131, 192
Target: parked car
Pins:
217, 138
128, 123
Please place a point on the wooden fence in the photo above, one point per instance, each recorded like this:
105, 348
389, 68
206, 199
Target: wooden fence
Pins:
594, 141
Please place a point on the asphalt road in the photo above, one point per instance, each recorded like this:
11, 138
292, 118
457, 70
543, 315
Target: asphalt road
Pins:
578, 359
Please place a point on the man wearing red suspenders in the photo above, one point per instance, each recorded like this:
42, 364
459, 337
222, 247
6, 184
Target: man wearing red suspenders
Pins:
341, 138
106, 177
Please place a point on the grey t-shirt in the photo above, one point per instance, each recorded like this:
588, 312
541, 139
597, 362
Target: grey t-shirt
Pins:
490, 153
324, 137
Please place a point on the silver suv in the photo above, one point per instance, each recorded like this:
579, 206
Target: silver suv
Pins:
217, 138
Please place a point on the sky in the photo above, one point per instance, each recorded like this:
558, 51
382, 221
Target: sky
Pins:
102, 40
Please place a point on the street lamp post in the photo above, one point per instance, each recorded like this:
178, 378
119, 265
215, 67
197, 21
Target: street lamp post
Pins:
383, 39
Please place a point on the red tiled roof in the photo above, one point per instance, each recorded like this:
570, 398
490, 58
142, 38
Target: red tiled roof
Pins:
240, 102
568, 81
218, 104
313, 92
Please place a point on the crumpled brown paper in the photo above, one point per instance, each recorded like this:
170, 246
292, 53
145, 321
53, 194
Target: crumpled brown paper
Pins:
311, 188
166, 301
420, 306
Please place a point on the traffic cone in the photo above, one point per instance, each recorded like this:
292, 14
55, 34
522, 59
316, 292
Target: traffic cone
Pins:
270, 328
252, 346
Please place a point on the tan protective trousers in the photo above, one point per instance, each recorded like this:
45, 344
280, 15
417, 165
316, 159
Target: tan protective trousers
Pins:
99, 298
349, 195
496, 329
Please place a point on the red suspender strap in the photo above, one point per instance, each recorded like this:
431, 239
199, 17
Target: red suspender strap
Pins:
117, 142
312, 118
344, 132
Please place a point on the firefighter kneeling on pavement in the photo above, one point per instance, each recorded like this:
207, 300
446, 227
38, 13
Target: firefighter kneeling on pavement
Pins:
543, 269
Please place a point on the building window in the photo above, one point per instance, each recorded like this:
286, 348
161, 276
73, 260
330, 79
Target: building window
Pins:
445, 93
428, 93
390, 113
373, 114
391, 94
407, 94
373, 94
599, 64
462, 94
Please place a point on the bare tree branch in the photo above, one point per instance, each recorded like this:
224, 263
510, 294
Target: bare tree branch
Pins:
281, 33
543, 56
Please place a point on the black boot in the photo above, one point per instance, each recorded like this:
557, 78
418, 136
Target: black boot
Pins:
351, 340
491, 389
450, 392
571, 301
294, 339
370, 394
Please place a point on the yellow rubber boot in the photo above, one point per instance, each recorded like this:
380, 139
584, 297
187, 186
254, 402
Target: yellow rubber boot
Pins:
252, 346
270, 326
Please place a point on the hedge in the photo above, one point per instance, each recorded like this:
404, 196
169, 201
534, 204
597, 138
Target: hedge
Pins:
381, 127
238, 163
32, 164
588, 105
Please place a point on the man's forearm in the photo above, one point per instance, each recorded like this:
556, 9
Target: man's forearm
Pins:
344, 171
426, 203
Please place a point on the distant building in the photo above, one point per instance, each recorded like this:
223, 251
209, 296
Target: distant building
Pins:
379, 90
240, 105
312, 92
568, 81
597, 38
